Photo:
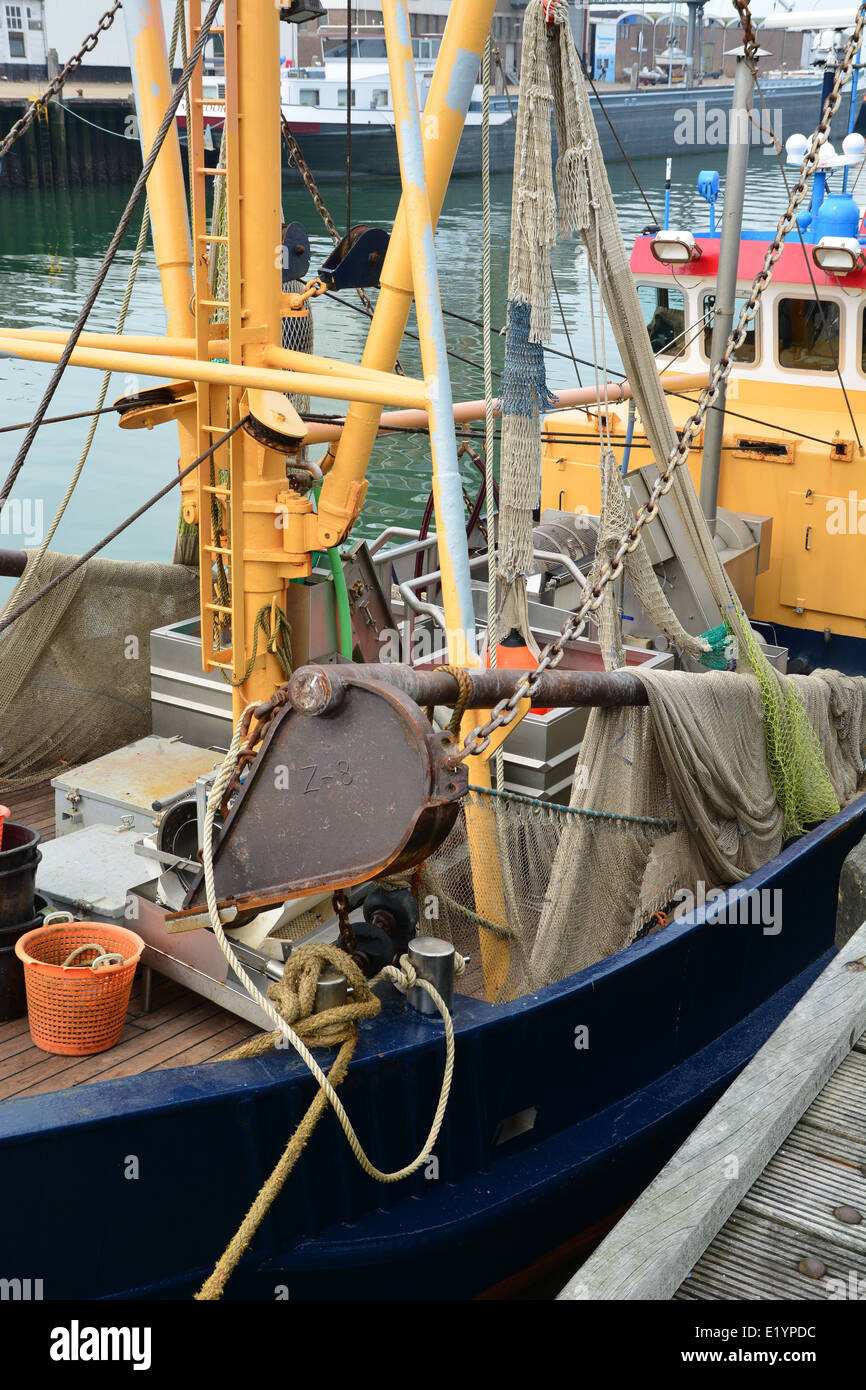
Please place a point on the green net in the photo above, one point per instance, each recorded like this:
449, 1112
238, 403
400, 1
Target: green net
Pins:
796, 764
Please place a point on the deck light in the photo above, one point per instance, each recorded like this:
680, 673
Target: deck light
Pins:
675, 248
838, 255
299, 11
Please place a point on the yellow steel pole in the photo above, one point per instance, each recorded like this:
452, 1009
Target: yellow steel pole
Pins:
148, 61
258, 476
447, 488
383, 390
442, 125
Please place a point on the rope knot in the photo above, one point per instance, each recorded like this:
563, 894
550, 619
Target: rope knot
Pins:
295, 996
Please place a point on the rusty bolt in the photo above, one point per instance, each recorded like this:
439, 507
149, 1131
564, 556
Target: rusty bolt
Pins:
812, 1268
849, 1215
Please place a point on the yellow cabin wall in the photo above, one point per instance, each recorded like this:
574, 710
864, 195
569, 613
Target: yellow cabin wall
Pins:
827, 578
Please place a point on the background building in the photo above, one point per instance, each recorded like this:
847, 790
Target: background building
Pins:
22, 40
28, 31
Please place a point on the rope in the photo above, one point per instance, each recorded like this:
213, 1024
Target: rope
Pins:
403, 979
293, 1015
278, 641
91, 434
118, 530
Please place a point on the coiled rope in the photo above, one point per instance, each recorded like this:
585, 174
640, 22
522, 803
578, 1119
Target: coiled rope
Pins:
332, 1027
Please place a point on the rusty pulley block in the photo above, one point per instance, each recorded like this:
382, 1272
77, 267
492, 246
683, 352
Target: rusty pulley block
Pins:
332, 798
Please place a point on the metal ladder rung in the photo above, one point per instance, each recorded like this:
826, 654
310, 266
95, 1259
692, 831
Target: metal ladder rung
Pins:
214, 173
207, 236
216, 491
218, 608
217, 550
214, 304
214, 429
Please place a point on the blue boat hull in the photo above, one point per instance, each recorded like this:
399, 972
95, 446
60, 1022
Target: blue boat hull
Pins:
670, 1022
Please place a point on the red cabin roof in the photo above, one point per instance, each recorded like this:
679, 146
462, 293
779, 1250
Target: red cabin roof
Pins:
791, 267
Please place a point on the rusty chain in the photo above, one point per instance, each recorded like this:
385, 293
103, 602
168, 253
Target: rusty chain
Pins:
504, 712
25, 122
750, 38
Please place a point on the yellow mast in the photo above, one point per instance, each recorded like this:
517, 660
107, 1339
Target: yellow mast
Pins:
256, 534
148, 61
442, 126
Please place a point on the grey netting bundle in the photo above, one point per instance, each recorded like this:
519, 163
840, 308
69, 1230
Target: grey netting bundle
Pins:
75, 670
666, 797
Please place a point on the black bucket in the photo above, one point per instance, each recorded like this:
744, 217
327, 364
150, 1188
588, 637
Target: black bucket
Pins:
9, 935
18, 892
19, 845
13, 995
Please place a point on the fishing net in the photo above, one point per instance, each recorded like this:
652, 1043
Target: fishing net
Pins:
665, 798
75, 671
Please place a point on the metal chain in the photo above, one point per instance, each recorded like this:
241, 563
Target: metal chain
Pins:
750, 38
306, 174
504, 712
312, 187
55, 85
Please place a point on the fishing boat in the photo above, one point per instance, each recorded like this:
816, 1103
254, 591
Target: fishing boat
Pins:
314, 105
536, 882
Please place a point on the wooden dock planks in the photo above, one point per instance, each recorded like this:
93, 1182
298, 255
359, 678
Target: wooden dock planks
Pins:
754, 1190
787, 1216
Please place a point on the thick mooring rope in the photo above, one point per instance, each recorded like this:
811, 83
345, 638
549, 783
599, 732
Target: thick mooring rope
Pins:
337, 1026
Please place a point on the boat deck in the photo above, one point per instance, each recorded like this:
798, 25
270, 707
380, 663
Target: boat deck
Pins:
180, 1029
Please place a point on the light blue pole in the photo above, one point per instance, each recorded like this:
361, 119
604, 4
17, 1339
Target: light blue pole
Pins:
853, 114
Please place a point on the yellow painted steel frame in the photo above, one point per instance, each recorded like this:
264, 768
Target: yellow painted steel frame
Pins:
250, 524
445, 110
165, 188
447, 491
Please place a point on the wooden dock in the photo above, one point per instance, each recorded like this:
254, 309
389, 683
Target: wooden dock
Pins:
180, 1028
766, 1199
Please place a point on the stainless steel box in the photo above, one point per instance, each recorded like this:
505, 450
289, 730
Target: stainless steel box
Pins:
121, 787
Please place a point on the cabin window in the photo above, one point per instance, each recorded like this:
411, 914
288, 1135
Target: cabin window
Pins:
747, 351
308, 96
341, 96
380, 98
664, 312
808, 334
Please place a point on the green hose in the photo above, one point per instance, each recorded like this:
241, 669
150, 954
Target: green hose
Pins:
341, 595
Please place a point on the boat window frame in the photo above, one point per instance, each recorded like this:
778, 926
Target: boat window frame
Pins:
682, 340
783, 292
758, 322
860, 341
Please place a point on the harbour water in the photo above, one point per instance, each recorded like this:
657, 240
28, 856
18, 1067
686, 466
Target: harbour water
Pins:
51, 244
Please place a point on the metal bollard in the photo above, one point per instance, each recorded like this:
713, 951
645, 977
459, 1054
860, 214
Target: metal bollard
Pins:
331, 991
433, 959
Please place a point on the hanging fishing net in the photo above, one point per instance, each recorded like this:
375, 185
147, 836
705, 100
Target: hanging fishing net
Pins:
75, 671
665, 797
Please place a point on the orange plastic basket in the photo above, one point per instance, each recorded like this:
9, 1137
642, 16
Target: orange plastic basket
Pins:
73, 1009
